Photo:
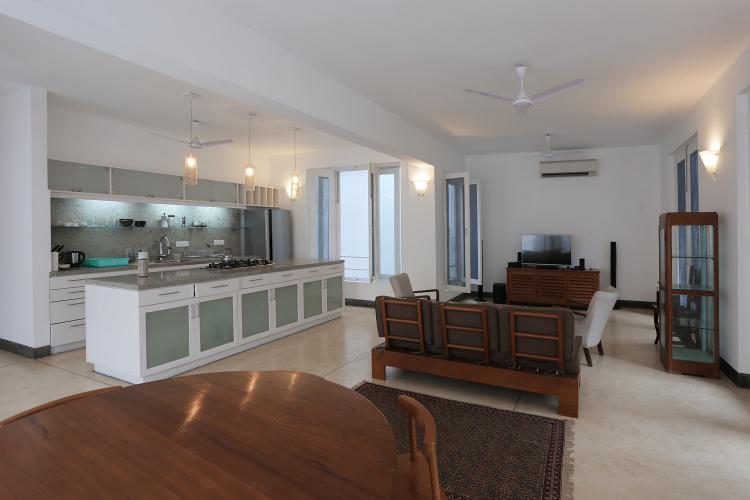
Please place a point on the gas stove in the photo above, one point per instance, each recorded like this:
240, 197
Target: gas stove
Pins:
237, 263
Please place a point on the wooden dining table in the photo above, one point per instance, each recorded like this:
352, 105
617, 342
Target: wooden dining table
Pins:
274, 434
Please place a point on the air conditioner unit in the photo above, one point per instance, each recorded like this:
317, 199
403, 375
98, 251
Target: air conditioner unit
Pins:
568, 168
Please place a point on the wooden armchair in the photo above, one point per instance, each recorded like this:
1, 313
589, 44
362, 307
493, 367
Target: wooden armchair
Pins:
57, 402
417, 475
401, 285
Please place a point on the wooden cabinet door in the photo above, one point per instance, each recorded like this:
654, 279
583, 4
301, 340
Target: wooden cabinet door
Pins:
581, 288
521, 287
551, 288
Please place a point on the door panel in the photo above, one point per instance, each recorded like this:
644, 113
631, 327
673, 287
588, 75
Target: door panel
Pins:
287, 307
334, 293
255, 313
167, 335
216, 322
458, 257
312, 298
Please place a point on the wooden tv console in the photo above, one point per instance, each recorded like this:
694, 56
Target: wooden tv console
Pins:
561, 287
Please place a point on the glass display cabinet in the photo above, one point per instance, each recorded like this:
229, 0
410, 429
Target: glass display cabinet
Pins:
689, 292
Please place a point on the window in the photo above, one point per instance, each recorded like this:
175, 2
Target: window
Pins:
455, 224
387, 224
323, 193
354, 223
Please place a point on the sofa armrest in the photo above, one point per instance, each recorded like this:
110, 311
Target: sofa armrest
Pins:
430, 290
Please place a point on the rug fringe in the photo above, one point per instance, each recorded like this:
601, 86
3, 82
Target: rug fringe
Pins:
568, 468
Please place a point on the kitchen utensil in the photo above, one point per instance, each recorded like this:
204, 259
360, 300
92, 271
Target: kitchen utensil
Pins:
142, 264
126, 222
140, 223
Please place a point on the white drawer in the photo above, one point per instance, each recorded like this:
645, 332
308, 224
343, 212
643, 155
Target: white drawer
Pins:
67, 310
332, 269
76, 280
216, 287
67, 333
161, 295
67, 294
287, 276
253, 281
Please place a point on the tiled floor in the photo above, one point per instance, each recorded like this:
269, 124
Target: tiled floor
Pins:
642, 433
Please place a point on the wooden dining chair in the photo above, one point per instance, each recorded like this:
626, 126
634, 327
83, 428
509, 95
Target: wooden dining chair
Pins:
57, 402
417, 474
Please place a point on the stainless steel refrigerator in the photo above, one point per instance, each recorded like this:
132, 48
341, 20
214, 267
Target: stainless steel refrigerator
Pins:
267, 233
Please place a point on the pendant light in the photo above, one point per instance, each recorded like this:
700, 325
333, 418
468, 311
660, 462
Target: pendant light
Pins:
249, 169
294, 185
190, 174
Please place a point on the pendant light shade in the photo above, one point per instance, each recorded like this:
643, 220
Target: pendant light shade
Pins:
294, 184
249, 169
190, 175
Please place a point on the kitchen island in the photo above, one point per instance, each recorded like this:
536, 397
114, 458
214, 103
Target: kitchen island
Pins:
143, 329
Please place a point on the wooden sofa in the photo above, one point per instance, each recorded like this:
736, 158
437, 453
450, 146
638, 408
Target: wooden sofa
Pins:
525, 348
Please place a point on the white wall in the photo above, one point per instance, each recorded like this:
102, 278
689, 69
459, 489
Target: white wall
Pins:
720, 118
418, 252
620, 204
24, 203
86, 138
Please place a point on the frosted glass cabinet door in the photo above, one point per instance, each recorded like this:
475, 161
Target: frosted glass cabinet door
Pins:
200, 192
129, 182
216, 322
312, 297
255, 313
334, 293
287, 310
77, 177
167, 335
224, 192
164, 186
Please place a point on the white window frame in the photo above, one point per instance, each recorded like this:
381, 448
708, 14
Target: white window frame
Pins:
370, 261
312, 210
376, 170
467, 234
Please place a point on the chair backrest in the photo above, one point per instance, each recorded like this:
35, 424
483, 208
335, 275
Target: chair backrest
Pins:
57, 402
418, 414
401, 285
403, 320
597, 315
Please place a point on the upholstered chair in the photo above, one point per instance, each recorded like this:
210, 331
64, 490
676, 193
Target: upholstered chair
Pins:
591, 326
402, 288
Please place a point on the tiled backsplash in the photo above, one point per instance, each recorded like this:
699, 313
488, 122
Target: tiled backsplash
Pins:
99, 233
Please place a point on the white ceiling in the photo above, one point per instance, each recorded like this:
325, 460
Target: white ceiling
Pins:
86, 80
645, 62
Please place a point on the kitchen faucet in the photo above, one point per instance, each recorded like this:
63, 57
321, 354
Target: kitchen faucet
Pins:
165, 247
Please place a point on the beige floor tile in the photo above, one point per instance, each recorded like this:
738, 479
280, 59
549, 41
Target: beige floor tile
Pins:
26, 385
75, 362
8, 358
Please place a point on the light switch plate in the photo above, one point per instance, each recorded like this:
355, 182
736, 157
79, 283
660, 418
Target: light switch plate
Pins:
218, 242
182, 244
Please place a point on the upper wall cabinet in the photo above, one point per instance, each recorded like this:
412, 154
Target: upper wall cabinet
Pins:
212, 191
77, 177
148, 184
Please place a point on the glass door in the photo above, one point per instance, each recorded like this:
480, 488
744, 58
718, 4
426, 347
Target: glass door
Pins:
215, 317
255, 312
167, 330
286, 305
458, 257
322, 213
475, 231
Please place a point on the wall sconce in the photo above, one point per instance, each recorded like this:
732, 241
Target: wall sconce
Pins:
421, 183
710, 159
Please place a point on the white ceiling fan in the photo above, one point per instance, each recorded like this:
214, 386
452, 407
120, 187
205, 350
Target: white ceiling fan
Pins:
193, 141
522, 100
550, 153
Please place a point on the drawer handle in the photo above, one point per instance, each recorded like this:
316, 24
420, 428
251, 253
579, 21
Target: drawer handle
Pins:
255, 279
220, 286
76, 326
287, 275
169, 293
313, 271
79, 279
75, 292
76, 303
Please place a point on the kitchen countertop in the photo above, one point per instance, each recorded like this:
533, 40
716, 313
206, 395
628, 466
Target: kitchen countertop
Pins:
134, 267
157, 279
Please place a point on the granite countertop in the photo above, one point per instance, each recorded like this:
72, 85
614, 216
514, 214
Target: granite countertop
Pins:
134, 267
157, 279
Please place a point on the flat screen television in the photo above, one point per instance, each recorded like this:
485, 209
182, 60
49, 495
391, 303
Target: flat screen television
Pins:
546, 249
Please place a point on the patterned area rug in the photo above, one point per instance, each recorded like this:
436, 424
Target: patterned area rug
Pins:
486, 453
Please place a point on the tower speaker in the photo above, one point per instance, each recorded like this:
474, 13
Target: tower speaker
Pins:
520, 257
613, 264
581, 263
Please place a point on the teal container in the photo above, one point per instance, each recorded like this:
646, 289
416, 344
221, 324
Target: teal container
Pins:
106, 261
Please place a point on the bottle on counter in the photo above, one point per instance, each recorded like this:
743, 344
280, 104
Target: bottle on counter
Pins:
142, 264
184, 221
164, 221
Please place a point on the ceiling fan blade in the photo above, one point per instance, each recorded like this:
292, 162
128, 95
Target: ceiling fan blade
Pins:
177, 139
488, 94
219, 142
556, 90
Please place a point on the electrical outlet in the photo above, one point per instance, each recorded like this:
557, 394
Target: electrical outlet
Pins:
182, 244
218, 242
